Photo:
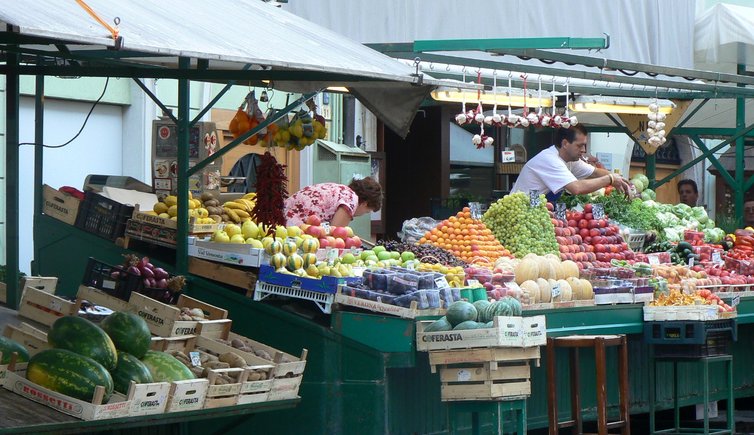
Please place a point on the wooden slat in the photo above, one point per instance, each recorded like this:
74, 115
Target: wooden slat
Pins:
484, 391
483, 355
222, 273
484, 373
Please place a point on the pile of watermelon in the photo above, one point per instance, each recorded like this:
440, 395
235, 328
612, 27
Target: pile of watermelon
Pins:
84, 356
465, 315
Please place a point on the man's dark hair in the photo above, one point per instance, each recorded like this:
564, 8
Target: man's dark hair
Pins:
691, 183
569, 134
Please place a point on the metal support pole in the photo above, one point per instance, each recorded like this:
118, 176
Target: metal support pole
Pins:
11, 177
181, 253
39, 113
740, 178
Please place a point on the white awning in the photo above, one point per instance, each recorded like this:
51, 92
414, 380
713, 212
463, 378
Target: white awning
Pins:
230, 34
724, 37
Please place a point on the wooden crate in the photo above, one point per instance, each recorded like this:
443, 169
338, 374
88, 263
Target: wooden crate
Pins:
225, 394
187, 395
168, 344
59, 205
99, 297
200, 342
485, 381
116, 407
505, 332
228, 275
147, 399
285, 363
43, 307
193, 227
30, 337
162, 318
491, 355
285, 388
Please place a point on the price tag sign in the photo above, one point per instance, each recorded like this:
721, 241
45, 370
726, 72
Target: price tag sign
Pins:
195, 360
534, 198
716, 258
653, 259
509, 156
560, 211
556, 291
326, 227
473, 283
410, 265
691, 261
598, 211
441, 282
356, 251
736, 300
331, 255
476, 210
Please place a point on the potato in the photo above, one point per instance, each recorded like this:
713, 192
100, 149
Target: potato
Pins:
263, 354
197, 371
233, 359
237, 343
254, 376
216, 365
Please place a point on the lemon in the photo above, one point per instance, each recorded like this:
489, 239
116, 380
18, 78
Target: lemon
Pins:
173, 211
160, 208
171, 200
232, 230
237, 239
164, 215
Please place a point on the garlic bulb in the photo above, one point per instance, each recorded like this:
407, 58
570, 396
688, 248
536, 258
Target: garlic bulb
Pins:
545, 121
496, 118
660, 125
523, 121
479, 117
533, 118
565, 124
461, 119
651, 124
488, 120
652, 116
476, 140
488, 141
661, 116
573, 120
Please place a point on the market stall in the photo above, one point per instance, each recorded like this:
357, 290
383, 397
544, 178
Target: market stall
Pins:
597, 264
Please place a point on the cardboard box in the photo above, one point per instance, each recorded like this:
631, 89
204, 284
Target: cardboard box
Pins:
163, 319
230, 253
59, 205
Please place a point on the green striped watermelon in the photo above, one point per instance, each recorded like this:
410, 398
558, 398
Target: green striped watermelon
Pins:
8, 346
165, 368
69, 373
129, 332
129, 369
85, 338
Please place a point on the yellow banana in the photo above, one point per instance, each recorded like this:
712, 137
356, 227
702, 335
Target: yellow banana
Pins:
250, 195
242, 214
232, 215
234, 205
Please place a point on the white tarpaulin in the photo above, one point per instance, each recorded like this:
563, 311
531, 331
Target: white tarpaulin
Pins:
230, 34
724, 37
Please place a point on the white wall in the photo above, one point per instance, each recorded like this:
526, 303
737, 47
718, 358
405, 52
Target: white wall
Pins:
97, 150
617, 144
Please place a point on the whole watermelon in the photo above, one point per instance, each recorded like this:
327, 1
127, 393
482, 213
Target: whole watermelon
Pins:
129, 332
459, 312
469, 324
165, 368
129, 369
85, 338
8, 346
440, 324
69, 373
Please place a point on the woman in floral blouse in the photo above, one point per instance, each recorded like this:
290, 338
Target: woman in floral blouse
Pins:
334, 203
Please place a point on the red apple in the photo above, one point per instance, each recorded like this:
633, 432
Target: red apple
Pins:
349, 231
339, 244
353, 242
324, 243
314, 220
316, 231
339, 232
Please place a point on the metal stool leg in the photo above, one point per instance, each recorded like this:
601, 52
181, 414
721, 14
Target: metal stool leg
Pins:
552, 396
625, 414
522, 430
576, 392
731, 401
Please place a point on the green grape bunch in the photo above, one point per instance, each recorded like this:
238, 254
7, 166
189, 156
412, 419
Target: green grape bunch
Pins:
521, 228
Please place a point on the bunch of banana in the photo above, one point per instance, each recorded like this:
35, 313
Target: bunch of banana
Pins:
239, 209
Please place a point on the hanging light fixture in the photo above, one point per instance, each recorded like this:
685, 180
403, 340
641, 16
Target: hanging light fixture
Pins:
602, 104
513, 97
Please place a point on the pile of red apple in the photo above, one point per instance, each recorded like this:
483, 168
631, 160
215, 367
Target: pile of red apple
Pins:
339, 237
589, 241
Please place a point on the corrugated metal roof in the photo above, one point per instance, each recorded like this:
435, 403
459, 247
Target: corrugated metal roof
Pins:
230, 34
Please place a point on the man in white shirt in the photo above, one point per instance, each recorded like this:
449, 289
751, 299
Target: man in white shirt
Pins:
560, 168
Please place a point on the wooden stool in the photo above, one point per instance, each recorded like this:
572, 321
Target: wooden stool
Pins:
498, 408
598, 342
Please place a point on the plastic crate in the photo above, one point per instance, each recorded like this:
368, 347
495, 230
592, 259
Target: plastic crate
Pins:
717, 343
100, 276
103, 216
688, 332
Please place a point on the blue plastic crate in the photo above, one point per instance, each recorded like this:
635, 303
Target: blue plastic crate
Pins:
327, 284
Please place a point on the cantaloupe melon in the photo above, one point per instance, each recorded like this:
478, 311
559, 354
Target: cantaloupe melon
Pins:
568, 269
545, 290
527, 270
566, 292
530, 290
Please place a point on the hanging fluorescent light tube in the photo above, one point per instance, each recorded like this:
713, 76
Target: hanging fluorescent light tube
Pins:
601, 104
503, 97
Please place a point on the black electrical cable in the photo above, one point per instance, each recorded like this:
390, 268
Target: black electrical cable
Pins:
107, 81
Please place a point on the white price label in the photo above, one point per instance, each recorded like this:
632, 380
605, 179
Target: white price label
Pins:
534, 198
441, 282
691, 261
556, 291
331, 255
326, 227
736, 300
356, 251
509, 156
196, 361
473, 283
716, 258
598, 211
410, 265
560, 211
56, 305
475, 209
464, 375
653, 259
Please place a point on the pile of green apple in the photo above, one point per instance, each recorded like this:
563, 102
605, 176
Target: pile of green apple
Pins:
378, 257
